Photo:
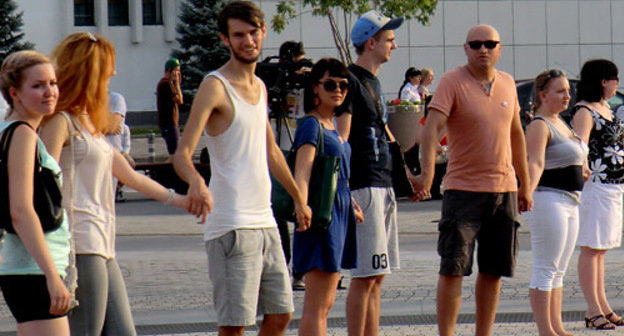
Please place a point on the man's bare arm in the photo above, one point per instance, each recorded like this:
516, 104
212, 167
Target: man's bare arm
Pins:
279, 169
209, 93
433, 126
519, 159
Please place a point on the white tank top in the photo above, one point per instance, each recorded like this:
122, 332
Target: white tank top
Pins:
240, 183
94, 199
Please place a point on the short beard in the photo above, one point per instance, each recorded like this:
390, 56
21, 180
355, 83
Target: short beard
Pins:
242, 59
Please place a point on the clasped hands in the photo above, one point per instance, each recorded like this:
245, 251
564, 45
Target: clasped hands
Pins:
199, 199
421, 185
200, 203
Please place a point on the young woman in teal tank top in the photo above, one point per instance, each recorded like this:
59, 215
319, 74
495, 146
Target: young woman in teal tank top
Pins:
34, 262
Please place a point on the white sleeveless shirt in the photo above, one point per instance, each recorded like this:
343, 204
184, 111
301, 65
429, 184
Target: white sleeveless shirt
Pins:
94, 198
240, 183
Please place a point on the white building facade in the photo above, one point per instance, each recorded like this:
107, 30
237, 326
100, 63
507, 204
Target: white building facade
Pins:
536, 35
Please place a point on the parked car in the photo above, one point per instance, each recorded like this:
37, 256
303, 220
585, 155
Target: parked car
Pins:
526, 99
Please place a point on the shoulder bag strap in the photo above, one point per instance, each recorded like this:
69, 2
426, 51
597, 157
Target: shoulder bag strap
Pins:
71, 130
5, 142
370, 90
7, 136
321, 141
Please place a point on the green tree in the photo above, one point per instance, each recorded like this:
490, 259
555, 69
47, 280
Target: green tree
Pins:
420, 10
201, 50
11, 34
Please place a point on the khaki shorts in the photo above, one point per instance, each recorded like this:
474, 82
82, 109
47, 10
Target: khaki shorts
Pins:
378, 235
248, 272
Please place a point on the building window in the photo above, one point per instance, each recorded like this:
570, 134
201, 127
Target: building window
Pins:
152, 12
118, 13
84, 13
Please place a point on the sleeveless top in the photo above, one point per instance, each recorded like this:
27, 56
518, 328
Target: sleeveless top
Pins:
563, 153
94, 198
15, 257
240, 183
606, 148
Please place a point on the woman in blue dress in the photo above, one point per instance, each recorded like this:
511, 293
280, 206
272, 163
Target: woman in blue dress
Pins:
320, 254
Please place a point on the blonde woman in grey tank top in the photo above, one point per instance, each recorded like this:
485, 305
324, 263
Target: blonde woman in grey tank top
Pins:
556, 158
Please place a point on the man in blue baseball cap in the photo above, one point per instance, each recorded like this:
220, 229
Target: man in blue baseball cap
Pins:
364, 124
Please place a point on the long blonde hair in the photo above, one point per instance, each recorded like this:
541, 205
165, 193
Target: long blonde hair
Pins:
12, 71
84, 64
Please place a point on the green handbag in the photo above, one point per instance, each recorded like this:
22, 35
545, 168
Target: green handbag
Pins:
321, 191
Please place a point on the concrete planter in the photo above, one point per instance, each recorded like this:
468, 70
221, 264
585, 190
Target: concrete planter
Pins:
402, 121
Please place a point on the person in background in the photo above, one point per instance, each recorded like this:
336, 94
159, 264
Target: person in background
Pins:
292, 57
479, 106
320, 254
168, 97
292, 54
427, 79
75, 138
600, 211
34, 262
556, 156
4, 107
118, 134
409, 90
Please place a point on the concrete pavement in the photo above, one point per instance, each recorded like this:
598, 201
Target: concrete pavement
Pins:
408, 297
170, 292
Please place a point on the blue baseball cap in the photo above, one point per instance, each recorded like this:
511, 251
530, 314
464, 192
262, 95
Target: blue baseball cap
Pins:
369, 24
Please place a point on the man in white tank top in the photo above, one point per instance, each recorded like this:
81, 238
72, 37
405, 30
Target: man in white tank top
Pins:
246, 263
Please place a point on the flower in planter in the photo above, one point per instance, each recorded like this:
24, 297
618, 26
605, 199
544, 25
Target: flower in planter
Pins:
393, 102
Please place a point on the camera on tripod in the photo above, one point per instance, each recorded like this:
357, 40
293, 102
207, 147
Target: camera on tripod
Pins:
285, 77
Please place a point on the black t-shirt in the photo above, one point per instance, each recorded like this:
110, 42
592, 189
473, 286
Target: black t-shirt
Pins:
370, 160
167, 108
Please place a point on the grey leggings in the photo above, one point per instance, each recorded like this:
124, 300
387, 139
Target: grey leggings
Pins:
104, 308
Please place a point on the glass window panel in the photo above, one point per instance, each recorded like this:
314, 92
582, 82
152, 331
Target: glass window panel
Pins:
84, 13
152, 12
118, 13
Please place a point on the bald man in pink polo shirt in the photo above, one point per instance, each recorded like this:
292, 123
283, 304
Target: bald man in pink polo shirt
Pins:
479, 107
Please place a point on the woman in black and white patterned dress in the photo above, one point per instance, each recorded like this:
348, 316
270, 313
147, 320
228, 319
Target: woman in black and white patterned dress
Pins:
601, 201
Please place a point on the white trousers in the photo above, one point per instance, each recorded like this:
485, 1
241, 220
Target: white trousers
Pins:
554, 225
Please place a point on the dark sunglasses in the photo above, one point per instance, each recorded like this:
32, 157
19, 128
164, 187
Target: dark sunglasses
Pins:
551, 74
489, 44
331, 85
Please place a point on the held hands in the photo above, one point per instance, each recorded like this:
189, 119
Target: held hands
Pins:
304, 216
422, 187
525, 199
198, 201
59, 295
